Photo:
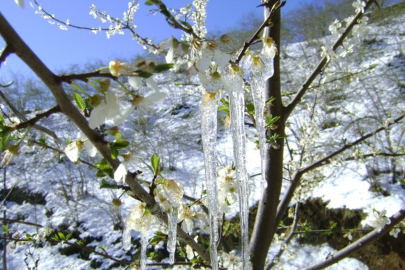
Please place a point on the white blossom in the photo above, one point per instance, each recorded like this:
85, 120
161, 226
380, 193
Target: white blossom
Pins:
359, 6
108, 108
269, 47
20, 3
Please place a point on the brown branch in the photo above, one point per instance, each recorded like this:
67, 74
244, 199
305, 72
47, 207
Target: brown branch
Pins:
23, 118
33, 121
67, 107
282, 208
84, 76
21, 222
321, 65
359, 244
5, 53
255, 36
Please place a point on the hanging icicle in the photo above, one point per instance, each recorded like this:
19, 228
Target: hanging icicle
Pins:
172, 233
237, 109
168, 194
209, 136
260, 71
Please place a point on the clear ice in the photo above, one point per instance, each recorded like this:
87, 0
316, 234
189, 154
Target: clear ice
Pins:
172, 233
237, 109
209, 137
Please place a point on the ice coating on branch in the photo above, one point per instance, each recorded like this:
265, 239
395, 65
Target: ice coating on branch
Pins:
209, 135
172, 233
237, 109
259, 73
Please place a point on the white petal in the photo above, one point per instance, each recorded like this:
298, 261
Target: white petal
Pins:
155, 98
123, 115
72, 152
152, 84
222, 59
112, 104
120, 173
204, 63
135, 82
98, 116
90, 148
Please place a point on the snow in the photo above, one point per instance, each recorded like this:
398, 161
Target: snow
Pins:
75, 202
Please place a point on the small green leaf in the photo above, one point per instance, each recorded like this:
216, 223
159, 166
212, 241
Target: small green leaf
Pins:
61, 236
106, 184
163, 67
114, 152
250, 108
79, 101
155, 163
120, 144
5, 229
143, 74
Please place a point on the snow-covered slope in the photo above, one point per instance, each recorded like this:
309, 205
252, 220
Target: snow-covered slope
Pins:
358, 94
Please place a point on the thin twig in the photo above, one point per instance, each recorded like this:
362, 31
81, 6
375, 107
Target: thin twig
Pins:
359, 244
33, 121
298, 175
23, 118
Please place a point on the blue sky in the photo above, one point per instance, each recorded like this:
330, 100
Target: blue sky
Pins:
61, 49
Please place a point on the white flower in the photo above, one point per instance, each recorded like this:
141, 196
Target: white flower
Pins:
394, 232
336, 27
269, 47
189, 252
213, 82
359, 5
329, 53
117, 68
211, 53
139, 219
347, 50
185, 216
380, 220
72, 151
120, 173
168, 194
231, 261
140, 103
107, 109
20, 3
227, 188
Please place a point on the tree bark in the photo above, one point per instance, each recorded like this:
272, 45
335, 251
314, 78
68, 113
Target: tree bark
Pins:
264, 228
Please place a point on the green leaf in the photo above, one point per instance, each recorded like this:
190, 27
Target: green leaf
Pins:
106, 184
79, 101
5, 229
143, 74
104, 169
224, 101
5, 134
155, 163
114, 152
163, 67
61, 236
120, 144
250, 108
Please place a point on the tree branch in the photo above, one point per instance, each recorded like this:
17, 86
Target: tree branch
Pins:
324, 61
359, 244
297, 177
23, 118
67, 107
5, 53
255, 36
33, 121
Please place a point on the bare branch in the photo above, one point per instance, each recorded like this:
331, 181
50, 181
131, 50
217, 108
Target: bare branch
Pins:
324, 61
23, 118
282, 208
359, 244
33, 121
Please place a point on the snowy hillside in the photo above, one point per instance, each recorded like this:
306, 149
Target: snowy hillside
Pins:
355, 95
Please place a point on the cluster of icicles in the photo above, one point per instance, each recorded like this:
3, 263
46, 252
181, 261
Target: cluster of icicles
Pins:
234, 88
235, 91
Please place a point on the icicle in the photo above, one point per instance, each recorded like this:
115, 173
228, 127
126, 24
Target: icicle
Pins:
237, 109
209, 136
172, 233
259, 73
144, 245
